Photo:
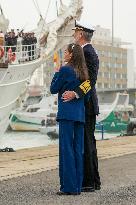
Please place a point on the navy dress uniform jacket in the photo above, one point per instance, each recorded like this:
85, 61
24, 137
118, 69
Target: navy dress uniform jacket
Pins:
62, 81
91, 173
92, 63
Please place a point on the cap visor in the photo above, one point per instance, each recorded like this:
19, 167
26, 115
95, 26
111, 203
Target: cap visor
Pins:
77, 28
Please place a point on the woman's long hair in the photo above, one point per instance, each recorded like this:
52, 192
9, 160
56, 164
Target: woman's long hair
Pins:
77, 61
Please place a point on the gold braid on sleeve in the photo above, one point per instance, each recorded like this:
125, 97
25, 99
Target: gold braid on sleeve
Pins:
85, 86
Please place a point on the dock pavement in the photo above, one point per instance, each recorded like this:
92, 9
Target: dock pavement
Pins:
30, 176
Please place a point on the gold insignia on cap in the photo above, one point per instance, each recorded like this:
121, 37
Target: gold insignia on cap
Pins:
85, 86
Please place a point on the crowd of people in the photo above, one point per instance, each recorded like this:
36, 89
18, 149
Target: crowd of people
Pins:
20, 40
11, 38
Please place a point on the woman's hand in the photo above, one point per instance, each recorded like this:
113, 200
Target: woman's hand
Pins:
57, 69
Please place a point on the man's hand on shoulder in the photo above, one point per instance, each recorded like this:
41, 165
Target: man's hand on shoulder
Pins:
68, 95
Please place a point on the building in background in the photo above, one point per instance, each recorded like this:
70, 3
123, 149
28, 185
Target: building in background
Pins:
116, 62
131, 70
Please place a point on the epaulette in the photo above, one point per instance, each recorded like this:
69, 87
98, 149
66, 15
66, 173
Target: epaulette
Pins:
85, 86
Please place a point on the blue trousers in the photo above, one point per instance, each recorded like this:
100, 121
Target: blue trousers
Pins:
71, 150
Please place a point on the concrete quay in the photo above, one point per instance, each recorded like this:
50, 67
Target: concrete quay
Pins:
38, 159
30, 176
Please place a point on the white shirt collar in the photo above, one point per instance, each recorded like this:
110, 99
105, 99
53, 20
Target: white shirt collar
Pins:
84, 45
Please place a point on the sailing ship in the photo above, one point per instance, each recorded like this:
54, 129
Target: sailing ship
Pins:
14, 76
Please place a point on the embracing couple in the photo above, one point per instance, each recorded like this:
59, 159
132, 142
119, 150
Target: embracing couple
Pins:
77, 109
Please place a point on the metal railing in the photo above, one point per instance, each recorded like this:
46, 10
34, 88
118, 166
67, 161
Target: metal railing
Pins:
19, 53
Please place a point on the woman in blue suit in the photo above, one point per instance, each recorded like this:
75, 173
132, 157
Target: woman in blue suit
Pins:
71, 118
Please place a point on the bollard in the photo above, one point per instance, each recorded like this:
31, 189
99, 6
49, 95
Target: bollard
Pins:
100, 128
102, 131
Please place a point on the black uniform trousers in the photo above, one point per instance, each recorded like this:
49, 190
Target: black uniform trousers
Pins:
91, 173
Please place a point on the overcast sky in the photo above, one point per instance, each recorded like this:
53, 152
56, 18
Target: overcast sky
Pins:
22, 13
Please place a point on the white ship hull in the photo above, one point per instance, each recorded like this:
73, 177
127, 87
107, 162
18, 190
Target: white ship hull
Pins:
12, 84
27, 122
22, 126
30, 120
13, 79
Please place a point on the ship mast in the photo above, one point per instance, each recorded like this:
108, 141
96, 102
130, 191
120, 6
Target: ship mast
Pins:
4, 23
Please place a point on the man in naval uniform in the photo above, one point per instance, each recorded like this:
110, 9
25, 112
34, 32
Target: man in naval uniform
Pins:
83, 34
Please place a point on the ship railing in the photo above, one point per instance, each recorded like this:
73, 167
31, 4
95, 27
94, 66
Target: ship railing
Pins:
19, 53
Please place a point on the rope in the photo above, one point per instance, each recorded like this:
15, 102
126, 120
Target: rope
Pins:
45, 18
37, 7
36, 3
47, 9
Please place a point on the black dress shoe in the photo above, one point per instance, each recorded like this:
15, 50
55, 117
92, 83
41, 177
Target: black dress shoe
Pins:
88, 189
67, 193
97, 187
62, 193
